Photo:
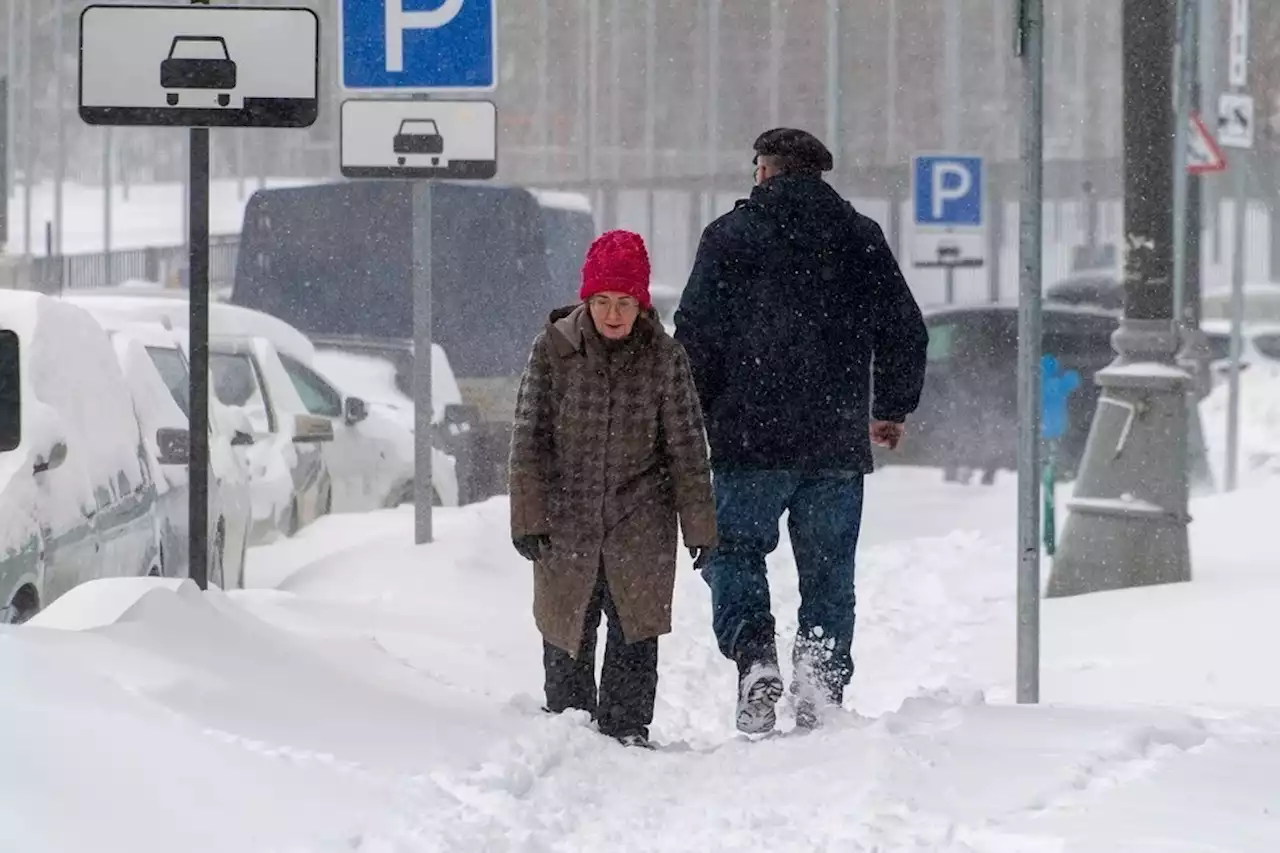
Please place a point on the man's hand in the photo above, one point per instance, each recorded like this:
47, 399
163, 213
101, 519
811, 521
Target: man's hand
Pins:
532, 548
887, 434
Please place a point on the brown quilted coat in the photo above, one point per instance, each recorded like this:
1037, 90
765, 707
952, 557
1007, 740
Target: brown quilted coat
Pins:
607, 449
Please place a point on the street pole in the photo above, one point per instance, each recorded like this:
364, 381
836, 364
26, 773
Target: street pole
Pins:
833, 78
1237, 70
1195, 354
60, 135
1127, 521
713, 105
1030, 46
198, 346
423, 411
28, 127
1185, 28
651, 119
106, 204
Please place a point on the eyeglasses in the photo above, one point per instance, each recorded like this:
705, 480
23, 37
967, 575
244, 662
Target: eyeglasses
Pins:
623, 305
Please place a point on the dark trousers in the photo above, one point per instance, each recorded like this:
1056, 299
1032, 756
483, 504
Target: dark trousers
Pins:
628, 683
825, 517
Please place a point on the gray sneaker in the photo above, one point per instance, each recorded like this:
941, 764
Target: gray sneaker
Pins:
758, 693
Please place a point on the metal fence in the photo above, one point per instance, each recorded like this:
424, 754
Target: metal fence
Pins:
166, 265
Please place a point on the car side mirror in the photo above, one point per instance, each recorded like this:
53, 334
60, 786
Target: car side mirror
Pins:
354, 410
242, 439
57, 456
459, 419
175, 446
312, 429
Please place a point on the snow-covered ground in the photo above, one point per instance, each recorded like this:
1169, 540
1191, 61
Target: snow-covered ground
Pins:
369, 695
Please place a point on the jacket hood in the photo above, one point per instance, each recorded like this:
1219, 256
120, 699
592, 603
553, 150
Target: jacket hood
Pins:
805, 210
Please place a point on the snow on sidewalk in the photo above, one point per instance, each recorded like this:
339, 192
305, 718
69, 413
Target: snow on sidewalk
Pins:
382, 698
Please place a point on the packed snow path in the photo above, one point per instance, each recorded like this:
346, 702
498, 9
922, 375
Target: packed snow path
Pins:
380, 698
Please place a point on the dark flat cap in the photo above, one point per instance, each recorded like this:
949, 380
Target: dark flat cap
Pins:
800, 149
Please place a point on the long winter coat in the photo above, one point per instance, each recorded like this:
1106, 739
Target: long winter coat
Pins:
607, 449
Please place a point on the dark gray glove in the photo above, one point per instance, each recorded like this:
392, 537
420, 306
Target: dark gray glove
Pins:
532, 548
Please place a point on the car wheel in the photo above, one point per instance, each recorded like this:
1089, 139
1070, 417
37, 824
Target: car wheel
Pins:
224, 100
400, 161
172, 99
25, 604
290, 524
217, 562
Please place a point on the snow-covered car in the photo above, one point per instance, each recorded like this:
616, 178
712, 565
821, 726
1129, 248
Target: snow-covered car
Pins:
141, 350
77, 497
149, 352
1259, 344
371, 459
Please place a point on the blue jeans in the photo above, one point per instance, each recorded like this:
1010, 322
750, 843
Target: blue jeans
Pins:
825, 516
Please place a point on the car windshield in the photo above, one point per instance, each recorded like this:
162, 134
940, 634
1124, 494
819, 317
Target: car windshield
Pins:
173, 370
425, 127
199, 49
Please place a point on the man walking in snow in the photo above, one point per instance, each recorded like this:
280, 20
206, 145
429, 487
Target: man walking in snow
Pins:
795, 303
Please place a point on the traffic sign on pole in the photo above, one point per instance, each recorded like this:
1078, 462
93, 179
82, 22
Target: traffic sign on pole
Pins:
398, 46
401, 138
1203, 154
948, 197
389, 45
1235, 119
199, 66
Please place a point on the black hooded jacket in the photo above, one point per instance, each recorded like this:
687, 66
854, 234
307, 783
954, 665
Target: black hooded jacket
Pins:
795, 302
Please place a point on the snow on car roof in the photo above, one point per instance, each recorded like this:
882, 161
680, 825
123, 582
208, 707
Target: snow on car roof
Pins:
562, 200
232, 321
74, 391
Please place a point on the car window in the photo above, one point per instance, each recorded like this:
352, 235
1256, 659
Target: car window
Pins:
1219, 346
236, 384
318, 396
941, 342
1268, 345
173, 370
10, 392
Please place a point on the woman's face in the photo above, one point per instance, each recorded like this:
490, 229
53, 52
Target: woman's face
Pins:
613, 313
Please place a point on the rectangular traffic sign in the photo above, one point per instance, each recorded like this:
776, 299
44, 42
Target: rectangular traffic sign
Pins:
402, 138
948, 190
1238, 45
199, 66
948, 199
418, 45
1235, 120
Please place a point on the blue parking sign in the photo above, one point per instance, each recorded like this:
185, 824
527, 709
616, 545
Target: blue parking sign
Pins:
948, 191
419, 45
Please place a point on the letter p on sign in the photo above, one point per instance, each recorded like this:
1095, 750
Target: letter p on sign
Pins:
398, 20
943, 190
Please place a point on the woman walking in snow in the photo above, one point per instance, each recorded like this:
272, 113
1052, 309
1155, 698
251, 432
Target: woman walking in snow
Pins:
607, 450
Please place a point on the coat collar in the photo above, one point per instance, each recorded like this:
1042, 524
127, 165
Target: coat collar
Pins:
570, 330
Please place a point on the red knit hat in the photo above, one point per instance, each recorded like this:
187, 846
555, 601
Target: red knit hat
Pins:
617, 261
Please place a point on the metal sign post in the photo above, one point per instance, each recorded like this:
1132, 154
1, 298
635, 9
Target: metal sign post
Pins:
1030, 42
454, 49
151, 66
1236, 130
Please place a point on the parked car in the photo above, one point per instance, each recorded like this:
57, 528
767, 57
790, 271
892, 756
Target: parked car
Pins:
247, 377
372, 455
162, 399
1260, 345
968, 413
77, 495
